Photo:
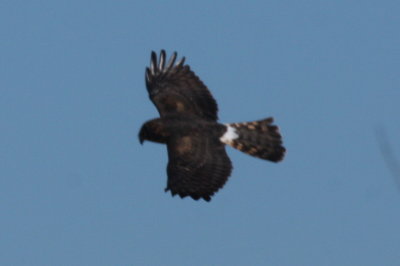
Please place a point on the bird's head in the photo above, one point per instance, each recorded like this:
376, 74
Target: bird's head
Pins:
143, 134
153, 130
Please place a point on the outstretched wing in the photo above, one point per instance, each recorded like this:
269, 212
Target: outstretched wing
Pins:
198, 166
175, 88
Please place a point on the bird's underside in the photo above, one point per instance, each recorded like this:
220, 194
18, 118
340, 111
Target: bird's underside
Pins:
198, 165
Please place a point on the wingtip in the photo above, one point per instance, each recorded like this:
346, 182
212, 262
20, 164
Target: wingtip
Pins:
161, 63
207, 198
171, 61
183, 195
153, 62
181, 62
158, 63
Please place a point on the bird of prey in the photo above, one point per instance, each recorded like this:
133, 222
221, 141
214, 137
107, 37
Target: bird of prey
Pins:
198, 165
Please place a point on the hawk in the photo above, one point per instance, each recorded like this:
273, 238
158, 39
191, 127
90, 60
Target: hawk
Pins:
198, 165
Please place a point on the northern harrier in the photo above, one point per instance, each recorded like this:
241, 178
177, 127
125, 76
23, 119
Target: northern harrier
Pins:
198, 164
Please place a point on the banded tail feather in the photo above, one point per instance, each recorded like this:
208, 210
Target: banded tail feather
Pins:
258, 138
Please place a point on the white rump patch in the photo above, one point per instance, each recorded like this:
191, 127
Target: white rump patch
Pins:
229, 135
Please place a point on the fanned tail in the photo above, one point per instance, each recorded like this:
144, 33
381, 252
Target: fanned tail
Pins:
258, 138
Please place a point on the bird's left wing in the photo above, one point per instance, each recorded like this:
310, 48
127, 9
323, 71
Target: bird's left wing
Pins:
175, 88
198, 166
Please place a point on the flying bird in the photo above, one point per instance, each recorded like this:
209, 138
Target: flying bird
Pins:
198, 165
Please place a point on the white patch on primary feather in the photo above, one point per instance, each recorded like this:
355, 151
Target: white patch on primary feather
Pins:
229, 135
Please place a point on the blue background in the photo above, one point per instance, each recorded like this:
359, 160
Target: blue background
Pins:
77, 188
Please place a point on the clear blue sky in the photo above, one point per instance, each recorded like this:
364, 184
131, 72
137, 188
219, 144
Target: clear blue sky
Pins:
77, 188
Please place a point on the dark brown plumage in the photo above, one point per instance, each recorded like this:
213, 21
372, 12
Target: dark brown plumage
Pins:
198, 165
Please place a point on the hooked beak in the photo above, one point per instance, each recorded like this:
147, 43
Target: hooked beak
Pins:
141, 136
141, 140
